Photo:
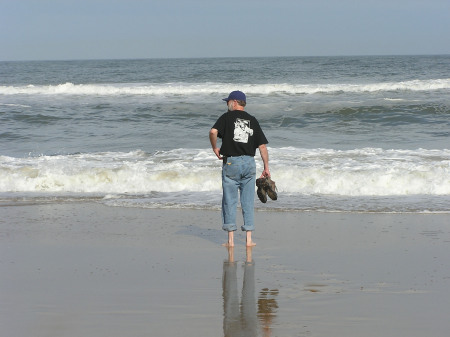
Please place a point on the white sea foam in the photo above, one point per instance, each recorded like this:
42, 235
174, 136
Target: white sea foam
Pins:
359, 172
134, 172
15, 105
364, 172
188, 89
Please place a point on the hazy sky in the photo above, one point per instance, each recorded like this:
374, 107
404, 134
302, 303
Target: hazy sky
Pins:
99, 29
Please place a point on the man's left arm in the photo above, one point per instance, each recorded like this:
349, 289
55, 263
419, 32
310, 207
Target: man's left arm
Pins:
265, 158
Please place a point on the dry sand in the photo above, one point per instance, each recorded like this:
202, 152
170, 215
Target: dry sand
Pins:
92, 270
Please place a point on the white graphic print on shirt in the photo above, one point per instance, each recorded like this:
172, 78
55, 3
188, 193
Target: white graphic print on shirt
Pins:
242, 130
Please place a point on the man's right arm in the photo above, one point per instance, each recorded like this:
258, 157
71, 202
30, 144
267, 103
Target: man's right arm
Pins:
213, 133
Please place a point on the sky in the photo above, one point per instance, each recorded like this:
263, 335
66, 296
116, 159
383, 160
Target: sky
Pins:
129, 29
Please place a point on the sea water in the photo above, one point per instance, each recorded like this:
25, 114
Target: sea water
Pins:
346, 134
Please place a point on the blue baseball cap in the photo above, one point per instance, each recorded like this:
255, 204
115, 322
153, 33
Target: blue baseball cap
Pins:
236, 95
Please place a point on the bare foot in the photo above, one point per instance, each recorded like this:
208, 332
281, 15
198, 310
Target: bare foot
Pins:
230, 242
249, 242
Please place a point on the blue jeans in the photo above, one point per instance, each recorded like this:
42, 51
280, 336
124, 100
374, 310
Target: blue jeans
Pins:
238, 175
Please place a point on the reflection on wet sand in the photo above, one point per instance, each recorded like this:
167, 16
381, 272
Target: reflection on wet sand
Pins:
241, 318
267, 308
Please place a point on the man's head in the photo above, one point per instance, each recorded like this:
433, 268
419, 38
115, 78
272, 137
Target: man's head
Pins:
236, 96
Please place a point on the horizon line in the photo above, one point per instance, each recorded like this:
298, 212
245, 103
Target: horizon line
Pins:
216, 57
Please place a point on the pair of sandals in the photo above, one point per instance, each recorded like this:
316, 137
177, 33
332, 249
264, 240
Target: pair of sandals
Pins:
266, 187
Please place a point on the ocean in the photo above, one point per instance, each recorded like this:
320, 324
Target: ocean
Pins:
346, 134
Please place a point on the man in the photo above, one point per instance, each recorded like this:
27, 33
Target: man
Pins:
241, 136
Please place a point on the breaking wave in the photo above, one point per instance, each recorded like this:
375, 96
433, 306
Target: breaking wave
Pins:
188, 89
358, 172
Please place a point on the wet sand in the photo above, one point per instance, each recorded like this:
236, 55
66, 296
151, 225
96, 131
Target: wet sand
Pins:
92, 270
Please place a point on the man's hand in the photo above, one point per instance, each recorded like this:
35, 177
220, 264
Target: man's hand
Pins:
217, 152
265, 173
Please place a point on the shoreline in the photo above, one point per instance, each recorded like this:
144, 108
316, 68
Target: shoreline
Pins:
87, 268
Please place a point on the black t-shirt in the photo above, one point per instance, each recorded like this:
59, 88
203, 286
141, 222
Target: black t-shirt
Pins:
240, 133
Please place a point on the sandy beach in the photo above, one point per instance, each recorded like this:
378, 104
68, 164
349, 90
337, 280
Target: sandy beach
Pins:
85, 269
